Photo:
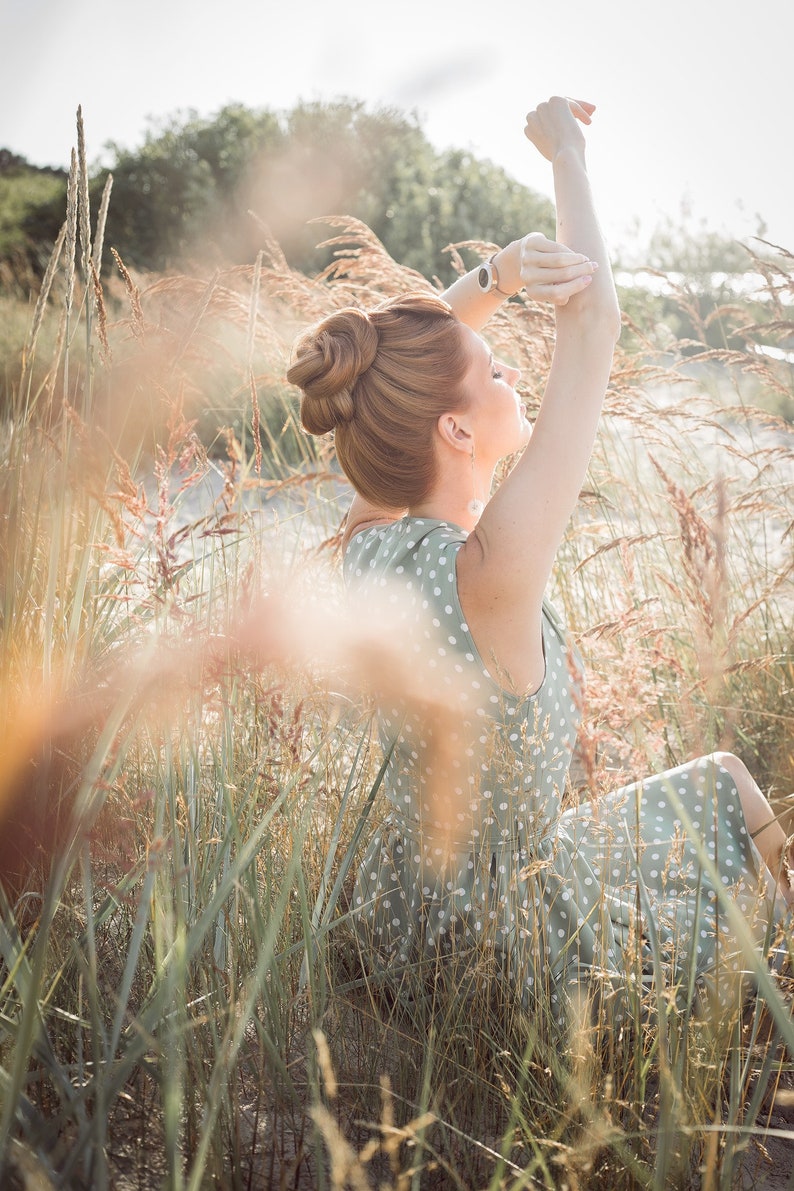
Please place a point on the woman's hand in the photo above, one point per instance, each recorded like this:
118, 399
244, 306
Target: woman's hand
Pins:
548, 271
555, 125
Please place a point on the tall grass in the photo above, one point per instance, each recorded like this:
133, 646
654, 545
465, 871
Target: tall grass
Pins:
188, 767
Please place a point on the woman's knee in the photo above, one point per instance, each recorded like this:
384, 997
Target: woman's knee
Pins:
735, 767
758, 814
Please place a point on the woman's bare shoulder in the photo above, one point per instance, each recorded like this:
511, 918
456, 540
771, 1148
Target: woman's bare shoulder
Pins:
363, 515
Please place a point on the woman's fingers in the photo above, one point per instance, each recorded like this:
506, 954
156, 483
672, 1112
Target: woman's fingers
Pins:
582, 109
551, 272
537, 242
558, 273
543, 248
558, 293
571, 263
560, 289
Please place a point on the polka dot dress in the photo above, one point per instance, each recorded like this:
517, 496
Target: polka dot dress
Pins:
563, 899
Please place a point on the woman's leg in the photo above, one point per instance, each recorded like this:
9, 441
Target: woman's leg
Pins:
764, 829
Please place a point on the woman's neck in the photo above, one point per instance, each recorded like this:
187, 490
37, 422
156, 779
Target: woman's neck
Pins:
460, 500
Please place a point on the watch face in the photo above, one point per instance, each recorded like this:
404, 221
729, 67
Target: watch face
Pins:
485, 278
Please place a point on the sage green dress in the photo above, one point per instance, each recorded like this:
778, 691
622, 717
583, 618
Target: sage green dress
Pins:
564, 900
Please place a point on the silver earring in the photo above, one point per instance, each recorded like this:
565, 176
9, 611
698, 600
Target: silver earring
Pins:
475, 506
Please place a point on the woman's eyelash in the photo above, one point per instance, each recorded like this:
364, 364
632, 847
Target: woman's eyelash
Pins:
497, 375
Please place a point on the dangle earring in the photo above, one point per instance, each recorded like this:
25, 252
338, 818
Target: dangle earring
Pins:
475, 506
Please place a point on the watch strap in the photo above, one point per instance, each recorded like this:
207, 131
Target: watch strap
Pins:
495, 275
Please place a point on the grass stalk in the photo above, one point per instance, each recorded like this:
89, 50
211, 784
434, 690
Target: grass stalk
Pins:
192, 927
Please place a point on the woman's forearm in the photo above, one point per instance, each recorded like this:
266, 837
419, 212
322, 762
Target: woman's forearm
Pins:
578, 227
471, 304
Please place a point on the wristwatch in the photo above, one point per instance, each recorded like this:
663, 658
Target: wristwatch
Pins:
488, 278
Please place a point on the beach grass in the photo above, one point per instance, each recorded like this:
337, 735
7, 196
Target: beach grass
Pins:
189, 768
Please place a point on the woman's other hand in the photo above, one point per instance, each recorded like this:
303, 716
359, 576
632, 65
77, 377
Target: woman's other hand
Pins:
550, 272
556, 124
547, 270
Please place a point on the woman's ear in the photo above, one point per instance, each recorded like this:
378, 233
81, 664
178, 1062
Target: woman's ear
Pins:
454, 432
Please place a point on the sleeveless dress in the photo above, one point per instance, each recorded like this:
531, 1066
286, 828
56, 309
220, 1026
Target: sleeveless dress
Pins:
562, 900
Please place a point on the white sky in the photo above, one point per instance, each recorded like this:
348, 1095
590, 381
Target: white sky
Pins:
693, 95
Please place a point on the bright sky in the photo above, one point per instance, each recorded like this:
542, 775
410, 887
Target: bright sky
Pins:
693, 96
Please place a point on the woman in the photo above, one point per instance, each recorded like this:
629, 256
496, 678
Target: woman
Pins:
476, 848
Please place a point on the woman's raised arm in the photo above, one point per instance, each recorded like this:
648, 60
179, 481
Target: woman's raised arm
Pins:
505, 565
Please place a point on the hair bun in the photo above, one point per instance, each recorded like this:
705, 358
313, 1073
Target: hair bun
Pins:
330, 358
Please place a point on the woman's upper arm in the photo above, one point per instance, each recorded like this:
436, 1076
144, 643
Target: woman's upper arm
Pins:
512, 550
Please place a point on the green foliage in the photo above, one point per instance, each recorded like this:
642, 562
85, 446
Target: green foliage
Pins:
186, 184
31, 201
212, 188
462, 199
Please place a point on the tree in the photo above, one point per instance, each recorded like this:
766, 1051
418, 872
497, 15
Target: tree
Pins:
178, 189
203, 188
218, 182
32, 207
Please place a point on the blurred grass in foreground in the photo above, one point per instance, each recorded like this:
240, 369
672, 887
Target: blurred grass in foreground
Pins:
181, 996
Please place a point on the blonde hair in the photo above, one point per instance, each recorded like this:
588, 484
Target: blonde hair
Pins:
380, 380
